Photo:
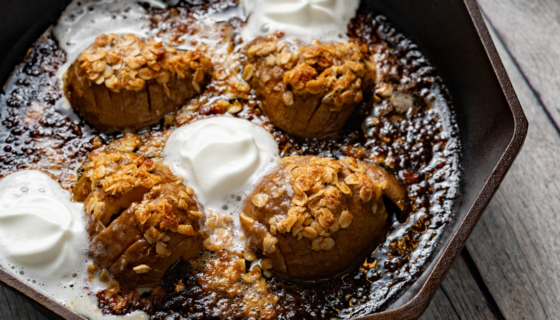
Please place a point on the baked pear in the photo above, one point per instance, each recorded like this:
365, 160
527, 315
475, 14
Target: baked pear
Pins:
309, 91
313, 217
140, 217
125, 82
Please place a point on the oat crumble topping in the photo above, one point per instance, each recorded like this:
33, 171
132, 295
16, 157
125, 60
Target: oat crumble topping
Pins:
127, 62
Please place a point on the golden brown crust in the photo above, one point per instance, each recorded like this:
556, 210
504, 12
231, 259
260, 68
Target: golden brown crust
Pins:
160, 223
123, 81
127, 62
319, 214
308, 91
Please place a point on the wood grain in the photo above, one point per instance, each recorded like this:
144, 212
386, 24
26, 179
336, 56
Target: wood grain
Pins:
515, 244
530, 29
440, 308
14, 307
459, 297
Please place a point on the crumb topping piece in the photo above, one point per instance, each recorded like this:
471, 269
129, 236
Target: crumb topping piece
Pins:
334, 70
127, 62
119, 172
308, 90
141, 218
316, 211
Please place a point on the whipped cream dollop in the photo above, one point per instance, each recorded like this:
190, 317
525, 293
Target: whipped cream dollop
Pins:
44, 243
39, 228
221, 158
325, 20
82, 21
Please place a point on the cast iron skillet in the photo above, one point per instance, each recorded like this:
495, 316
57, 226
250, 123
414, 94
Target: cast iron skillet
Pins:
453, 36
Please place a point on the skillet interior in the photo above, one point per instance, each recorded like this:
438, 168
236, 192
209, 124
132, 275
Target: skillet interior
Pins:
492, 126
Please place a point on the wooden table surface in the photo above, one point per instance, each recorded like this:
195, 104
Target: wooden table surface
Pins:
510, 267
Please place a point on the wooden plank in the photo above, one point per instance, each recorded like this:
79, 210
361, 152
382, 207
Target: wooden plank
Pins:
459, 297
515, 245
465, 295
440, 308
530, 29
14, 307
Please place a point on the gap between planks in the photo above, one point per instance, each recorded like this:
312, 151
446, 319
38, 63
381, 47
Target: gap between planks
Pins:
460, 296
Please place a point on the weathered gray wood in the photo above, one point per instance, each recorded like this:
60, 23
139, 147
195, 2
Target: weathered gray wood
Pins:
458, 297
530, 29
516, 245
440, 308
14, 307
463, 292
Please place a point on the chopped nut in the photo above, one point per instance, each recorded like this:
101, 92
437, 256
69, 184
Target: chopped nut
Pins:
242, 86
235, 108
112, 83
269, 244
309, 233
163, 77
252, 275
151, 235
211, 223
104, 276
384, 89
249, 255
316, 244
196, 214
99, 226
161, 249
344, 188
352, 179
314, 86
123, 264
196, 86
279, 192
98, 210
190, 191
273, 229
345, 219
271, 60
141, 269
288, 98
260, 200
223, 103
101, 53
327, 244
366, 194
300, 199
248, 72
186, 230
92, 267
100, 80
99, 66
316, 195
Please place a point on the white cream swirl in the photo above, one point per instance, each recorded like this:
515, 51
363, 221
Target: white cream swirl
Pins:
221, 158
325, 20
37, 221
43, 241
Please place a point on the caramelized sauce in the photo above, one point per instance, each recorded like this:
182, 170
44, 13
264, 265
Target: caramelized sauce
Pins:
34, 133
418, 144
